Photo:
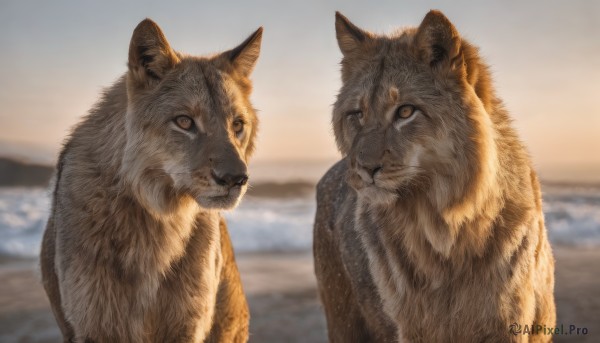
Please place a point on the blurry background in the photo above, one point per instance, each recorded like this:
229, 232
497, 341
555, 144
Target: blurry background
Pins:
57, 56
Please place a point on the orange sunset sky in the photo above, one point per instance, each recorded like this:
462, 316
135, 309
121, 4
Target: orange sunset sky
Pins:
57, 56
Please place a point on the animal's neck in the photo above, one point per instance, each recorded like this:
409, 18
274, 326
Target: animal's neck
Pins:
469, 199
451, 240
154, 242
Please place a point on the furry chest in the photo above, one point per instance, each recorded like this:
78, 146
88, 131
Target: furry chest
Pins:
430, 300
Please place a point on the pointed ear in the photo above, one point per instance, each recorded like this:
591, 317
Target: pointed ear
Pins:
350, 37
150, 55
439, 43
243, 57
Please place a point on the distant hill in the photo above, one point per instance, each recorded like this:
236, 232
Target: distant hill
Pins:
30, 153
282, 189
17, 173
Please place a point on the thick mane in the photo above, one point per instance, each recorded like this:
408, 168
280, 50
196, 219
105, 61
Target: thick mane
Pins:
478, 75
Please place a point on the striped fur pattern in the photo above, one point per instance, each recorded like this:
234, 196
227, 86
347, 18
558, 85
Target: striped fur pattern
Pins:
135, 249
431, 227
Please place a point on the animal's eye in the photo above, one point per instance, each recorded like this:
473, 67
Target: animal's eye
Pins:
238, 126
358, 114
184, 122
405, 111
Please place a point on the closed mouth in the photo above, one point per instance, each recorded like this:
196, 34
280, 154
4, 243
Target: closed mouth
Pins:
223, 192
376, 187
220, 199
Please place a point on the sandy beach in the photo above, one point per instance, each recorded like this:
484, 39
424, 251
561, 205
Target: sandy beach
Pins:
281, 291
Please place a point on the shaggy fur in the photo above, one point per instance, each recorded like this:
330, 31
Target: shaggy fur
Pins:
135, 249
431, 227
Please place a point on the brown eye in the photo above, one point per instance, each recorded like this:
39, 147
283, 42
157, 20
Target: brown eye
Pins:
184, 122
354, 114
238, 126
405, 111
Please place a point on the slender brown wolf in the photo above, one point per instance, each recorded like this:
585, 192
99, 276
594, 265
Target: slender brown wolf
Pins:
135, 249
430, 229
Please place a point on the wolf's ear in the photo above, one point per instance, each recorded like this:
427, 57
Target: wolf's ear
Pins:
439, 43
350, 37
243, 57
150, 55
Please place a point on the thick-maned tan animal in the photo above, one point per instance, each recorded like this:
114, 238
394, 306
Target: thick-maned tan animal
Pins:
430, 229
135, 249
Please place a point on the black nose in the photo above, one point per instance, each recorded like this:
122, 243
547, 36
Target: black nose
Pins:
230, 180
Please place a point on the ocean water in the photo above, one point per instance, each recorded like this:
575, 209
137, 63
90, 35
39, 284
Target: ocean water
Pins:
282, 224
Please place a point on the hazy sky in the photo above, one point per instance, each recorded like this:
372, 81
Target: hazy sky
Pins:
57, 56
